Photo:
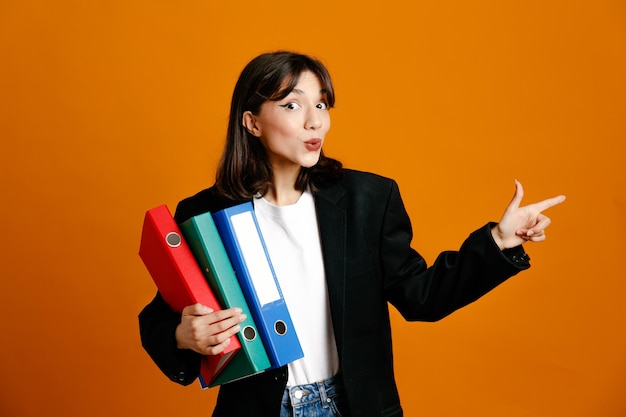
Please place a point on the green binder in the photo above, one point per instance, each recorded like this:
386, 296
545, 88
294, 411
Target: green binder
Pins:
205, 243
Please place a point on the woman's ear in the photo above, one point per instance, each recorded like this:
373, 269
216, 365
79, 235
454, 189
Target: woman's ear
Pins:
250, 123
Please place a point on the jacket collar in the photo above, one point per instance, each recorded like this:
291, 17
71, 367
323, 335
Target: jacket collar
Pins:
331, 218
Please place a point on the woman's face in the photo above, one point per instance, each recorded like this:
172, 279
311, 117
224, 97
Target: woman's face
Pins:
293, 129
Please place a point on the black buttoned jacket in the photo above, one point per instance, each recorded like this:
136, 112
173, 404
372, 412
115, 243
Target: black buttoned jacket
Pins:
365, 234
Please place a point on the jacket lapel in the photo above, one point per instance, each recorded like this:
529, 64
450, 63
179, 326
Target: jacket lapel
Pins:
332, 224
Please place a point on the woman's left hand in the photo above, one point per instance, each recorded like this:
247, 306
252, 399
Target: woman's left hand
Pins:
523, 224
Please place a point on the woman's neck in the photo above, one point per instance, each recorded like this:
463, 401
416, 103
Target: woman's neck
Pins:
283, 198
283, 191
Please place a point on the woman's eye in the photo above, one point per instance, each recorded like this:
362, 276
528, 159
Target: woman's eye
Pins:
322, 106
291, 106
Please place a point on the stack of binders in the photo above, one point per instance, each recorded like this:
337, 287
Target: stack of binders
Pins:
228, 248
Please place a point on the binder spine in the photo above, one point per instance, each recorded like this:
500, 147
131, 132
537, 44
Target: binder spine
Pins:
244, 244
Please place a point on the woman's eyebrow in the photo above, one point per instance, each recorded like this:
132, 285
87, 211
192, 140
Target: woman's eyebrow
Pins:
299, 91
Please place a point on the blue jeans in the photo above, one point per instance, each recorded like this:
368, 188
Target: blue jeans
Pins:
320, 399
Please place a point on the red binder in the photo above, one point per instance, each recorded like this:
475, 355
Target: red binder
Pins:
178, 277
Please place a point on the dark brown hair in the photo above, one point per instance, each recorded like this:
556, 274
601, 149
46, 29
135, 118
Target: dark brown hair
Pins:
244, 168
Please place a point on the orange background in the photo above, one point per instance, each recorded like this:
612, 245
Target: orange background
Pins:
108, 108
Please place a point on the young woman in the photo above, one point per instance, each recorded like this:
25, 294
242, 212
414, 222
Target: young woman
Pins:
339, 241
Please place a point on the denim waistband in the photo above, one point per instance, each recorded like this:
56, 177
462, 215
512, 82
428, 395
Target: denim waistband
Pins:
317, 391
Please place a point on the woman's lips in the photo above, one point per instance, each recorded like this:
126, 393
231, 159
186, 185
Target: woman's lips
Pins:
313, 144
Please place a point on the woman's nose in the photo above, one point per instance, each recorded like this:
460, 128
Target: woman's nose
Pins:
313, 120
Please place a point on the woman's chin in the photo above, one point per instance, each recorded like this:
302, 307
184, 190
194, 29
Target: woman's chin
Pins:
310, 161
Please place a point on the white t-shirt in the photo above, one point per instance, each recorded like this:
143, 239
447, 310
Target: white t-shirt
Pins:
291, 235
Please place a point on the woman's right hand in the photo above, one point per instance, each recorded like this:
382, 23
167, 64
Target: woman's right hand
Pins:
206, 331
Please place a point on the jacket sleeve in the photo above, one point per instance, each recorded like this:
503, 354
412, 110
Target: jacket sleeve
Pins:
455, 279
157, 328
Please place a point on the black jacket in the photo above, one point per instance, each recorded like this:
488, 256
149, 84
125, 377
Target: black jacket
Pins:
366, 235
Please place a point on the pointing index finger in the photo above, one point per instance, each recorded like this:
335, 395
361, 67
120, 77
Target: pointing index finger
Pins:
550, 202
